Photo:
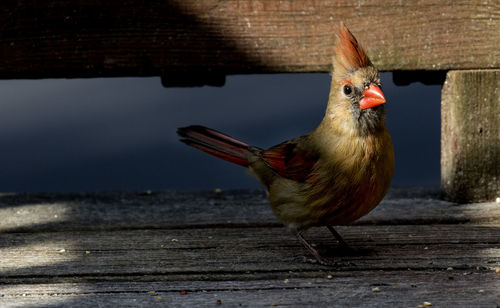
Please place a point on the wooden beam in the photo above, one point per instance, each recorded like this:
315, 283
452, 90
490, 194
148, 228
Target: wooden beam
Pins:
470, 136
86, 38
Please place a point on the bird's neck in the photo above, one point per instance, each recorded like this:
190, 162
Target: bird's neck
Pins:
345, 125
334, 142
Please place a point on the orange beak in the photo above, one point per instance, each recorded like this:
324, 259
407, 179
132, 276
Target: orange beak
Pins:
372, 97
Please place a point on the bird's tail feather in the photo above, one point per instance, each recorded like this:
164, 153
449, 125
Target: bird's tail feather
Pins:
216, 143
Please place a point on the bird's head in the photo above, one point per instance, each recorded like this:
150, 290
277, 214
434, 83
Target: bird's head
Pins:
356, 100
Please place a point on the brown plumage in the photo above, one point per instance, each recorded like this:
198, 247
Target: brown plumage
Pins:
335, 174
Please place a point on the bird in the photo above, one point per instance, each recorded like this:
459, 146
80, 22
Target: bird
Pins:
336, 173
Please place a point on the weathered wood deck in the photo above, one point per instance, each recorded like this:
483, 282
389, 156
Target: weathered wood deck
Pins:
205, 249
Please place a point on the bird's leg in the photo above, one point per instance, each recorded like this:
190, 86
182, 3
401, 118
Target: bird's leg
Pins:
313, 251
339, 238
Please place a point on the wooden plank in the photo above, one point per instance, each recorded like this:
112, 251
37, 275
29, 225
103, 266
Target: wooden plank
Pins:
401, 289
239, 260
251, 266
87, 38
174, 210
234, 252
470, 136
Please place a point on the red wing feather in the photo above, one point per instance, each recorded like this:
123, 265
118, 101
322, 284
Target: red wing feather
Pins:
290, 161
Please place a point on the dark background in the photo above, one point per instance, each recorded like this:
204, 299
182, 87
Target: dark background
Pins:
119, 133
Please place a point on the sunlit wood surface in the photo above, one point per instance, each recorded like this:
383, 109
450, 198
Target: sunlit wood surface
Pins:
205, 248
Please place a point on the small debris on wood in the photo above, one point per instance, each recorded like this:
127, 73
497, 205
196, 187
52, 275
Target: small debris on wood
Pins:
183, 292
381, 270
62, 250
274, 304
159, 298
427, 304
497, 200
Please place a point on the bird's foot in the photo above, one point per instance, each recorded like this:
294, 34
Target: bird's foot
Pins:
318, 258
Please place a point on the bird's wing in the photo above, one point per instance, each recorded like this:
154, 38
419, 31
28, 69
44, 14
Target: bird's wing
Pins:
290, 160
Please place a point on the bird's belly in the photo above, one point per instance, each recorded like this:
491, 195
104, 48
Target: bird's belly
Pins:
334, 205
349, 210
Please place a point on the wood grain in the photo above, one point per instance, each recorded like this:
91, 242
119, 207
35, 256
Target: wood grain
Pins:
251, 266
146, 249
215, 251
406, 289
182, 210
50, 38
470, 136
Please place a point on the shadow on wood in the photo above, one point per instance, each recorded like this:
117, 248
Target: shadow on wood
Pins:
61, 39
188, 249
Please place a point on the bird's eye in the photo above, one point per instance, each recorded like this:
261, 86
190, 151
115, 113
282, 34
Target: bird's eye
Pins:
347, 89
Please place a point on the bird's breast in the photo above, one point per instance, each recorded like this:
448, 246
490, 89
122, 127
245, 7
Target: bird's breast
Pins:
351, 182
344, 185
357, 185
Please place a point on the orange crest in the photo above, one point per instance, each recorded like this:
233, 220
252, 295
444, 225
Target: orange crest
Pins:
348, 52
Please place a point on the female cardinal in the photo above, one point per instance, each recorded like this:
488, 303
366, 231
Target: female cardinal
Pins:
335, 174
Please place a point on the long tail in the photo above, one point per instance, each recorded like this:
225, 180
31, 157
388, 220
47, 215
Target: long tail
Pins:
216, 143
